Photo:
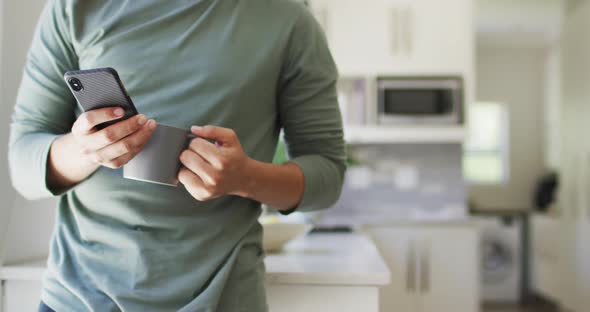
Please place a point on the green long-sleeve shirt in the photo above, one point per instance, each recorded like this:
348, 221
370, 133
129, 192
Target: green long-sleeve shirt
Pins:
254, 66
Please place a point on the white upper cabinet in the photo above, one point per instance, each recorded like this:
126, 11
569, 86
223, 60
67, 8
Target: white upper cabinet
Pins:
387, 37
356, 33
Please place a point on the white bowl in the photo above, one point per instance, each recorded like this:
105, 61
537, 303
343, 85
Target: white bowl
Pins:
277, 235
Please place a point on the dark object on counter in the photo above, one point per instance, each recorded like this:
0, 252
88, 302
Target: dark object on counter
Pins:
545, 190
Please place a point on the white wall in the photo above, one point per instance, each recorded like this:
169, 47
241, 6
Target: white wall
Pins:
552, 107
5, 196
514, 76
21, 220
574, 198
522, 22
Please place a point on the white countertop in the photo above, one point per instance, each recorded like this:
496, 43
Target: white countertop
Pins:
328, 259
316, 259
24, 271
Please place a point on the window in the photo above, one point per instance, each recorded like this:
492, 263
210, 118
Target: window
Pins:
485, 155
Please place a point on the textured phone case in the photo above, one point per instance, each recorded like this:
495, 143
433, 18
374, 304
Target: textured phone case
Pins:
101, 87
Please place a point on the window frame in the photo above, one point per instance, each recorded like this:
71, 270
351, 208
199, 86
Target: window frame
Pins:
503, 148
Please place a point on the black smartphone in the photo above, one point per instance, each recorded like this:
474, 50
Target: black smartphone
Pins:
98, 88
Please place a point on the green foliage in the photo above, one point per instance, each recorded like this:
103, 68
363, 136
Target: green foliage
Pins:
280, 153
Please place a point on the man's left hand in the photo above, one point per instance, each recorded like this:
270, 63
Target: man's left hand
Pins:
214, 169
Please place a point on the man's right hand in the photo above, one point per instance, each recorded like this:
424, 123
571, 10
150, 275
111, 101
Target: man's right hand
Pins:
116, 144
76, 155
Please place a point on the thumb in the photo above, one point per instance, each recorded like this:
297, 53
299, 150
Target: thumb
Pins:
222, 135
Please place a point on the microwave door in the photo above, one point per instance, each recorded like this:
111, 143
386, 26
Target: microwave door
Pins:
408, 102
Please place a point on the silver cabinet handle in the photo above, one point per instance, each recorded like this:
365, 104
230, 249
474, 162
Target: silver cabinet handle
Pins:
411, 267
401, 25
425, 268
587, 184
584, 186
408, 18
394, 26
2, 295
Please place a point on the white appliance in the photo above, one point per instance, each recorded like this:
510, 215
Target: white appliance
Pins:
501, 257
420, 100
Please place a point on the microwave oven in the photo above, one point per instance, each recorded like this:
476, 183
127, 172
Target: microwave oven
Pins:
420, 101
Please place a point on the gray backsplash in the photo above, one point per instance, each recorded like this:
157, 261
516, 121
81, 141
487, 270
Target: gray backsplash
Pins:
400, 182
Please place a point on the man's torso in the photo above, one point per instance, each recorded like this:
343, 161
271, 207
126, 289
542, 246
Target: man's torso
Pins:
122, 244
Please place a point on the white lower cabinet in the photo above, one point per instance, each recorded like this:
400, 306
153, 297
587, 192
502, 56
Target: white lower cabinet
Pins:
20, 296
322, 298
433, 268
546, 256
319, 272
24, 296
398, 248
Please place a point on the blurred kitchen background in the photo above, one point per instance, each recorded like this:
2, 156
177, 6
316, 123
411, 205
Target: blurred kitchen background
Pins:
469, 165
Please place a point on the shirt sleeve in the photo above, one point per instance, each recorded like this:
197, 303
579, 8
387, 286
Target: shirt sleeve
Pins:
310, 115
44, 108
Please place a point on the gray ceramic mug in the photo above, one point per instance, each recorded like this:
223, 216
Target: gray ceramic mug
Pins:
159, 162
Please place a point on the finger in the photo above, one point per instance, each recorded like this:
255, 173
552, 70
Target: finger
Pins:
225, 136
116, 132
131, 144
87, 121
200, 167
207, 151
119, 161
193, 184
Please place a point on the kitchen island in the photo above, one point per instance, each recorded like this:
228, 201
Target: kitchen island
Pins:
318, 272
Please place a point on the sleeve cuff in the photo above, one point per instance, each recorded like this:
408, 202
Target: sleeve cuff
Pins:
29, 169
44, 164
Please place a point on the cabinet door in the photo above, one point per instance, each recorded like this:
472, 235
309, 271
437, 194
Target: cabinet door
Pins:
21, 296
448, 270
582, 233
357, 35
401, 38
443, 34
546, 256
428, 36
398, 36
398, 247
